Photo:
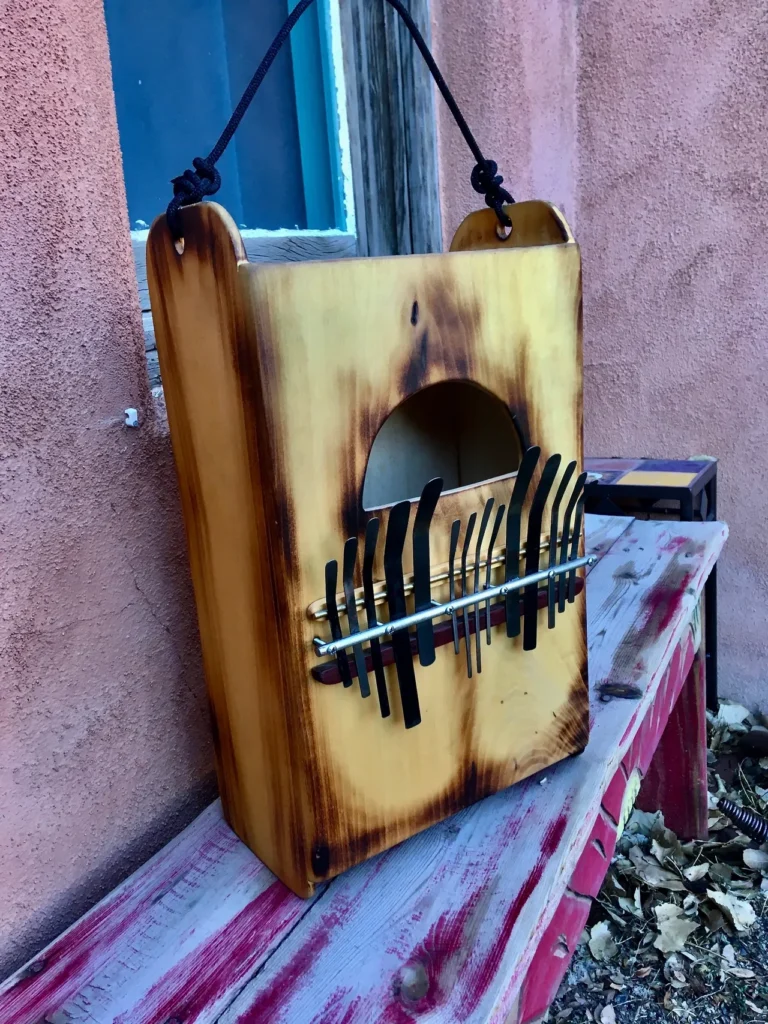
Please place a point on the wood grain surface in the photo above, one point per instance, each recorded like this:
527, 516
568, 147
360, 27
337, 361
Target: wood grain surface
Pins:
278, 380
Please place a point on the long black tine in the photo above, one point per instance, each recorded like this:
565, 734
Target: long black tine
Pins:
478, 552
348, 580
397, 529
331, 579
575, 546
371, 539
570, 469
464, 553
422, 584
578, 487
533, 550
489, 568
514, 516
455, 531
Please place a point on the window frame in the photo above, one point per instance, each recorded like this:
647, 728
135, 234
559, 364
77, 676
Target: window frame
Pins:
387, 152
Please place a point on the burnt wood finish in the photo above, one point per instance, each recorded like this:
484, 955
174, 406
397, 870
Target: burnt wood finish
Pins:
277, 380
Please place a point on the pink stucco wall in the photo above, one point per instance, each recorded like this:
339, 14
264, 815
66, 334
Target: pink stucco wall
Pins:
648, 124
104, 744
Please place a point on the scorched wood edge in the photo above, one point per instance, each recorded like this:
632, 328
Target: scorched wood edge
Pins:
277, 380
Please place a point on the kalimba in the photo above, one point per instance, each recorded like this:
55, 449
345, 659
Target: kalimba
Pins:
380, 471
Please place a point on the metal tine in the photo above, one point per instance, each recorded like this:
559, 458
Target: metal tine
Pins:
397, 529
514, 517
464, 553
565, 542
422, 585
489, 569
331, 579
371, 539
575, 546
570, 469
348, 581
478, 551
455, 531
533, 550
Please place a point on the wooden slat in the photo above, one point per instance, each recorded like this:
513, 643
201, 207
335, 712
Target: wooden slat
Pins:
467, 902
276, 247
175, 941
393, 130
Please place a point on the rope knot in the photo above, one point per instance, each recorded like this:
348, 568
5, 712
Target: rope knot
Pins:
487, 181
192, 187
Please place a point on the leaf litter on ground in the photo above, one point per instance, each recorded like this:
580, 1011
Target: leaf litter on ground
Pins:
679, 931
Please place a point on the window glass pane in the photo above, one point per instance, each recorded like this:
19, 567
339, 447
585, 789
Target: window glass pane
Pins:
179, 67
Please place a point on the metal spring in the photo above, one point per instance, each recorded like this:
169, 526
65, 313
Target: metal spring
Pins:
751, 824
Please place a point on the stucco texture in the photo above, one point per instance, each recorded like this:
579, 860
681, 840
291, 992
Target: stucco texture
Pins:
648, 124
104, 739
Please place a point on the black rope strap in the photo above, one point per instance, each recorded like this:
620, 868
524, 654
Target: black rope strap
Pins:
194, 185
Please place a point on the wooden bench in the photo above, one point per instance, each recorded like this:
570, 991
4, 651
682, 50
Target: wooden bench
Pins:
473, 920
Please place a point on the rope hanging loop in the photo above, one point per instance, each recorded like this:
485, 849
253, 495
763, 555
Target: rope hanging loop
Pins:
194, 185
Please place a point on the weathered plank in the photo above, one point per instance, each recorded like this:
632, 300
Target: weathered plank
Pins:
175, 940
455, 915
393, 130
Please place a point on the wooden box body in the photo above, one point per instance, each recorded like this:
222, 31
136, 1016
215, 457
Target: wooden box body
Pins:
278, 379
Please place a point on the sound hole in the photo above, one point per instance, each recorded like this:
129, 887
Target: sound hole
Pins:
455, 430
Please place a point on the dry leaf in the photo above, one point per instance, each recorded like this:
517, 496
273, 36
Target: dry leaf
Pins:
674, 928
666, 846
648, 871
739, 912
601, 944
608, 1016
731, 714
756, 860
696, 872
722, 873
741, 972
644, 822
729, 954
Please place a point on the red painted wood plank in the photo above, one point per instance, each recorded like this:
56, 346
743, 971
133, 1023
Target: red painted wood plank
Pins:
593, 864
613, 797
174, 941
552, 957
676, 780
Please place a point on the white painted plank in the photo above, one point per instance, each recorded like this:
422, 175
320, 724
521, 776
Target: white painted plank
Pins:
457, 911
602, 532
175, 941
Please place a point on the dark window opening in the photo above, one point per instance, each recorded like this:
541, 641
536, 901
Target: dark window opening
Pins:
456, 430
